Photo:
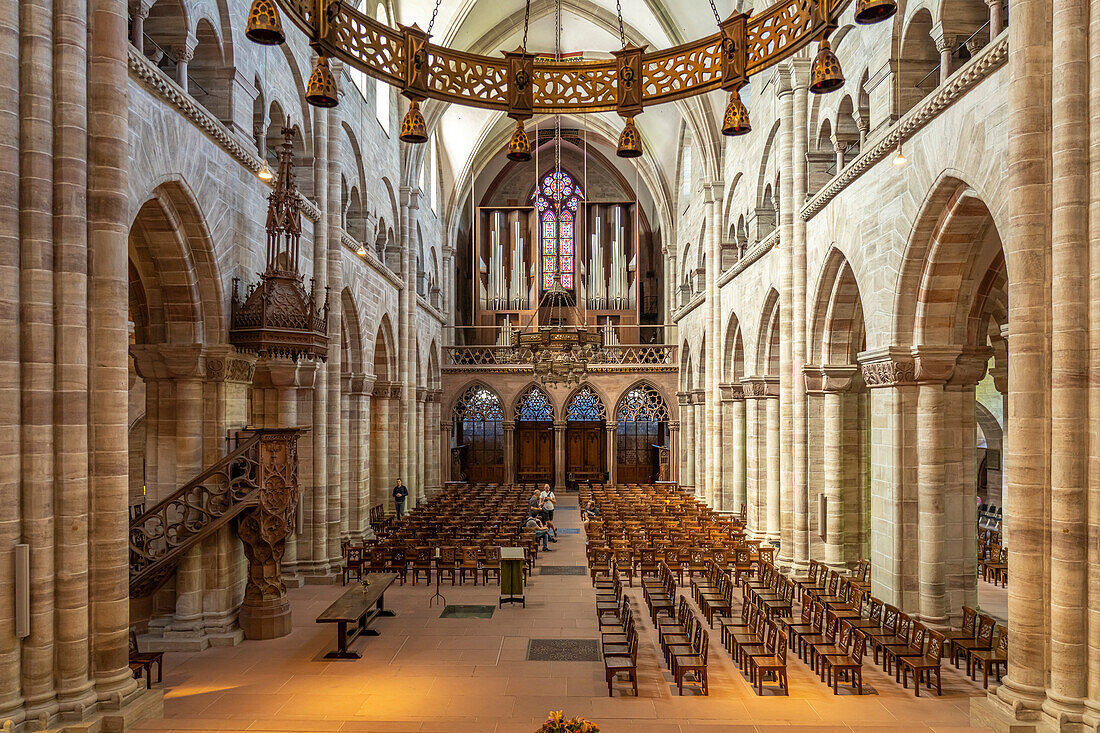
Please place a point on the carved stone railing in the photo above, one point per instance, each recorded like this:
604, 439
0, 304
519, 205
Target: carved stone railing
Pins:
658, 357
256, 484
521, 84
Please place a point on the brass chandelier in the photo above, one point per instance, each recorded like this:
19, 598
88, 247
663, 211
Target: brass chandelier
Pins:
520, 85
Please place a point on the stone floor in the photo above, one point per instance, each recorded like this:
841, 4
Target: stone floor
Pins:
425, 673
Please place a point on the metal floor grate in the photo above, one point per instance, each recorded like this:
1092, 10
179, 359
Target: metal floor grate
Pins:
563, 650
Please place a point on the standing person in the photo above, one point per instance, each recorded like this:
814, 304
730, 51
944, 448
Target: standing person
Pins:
546, 499
400, 494
533, 502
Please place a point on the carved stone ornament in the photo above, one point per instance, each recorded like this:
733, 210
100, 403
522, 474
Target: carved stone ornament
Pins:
277, 316
887, 368
840, 378
971, 366
934, 364
382, 390
755, 388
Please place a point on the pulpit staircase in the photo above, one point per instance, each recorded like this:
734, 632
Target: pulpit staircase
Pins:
260, 474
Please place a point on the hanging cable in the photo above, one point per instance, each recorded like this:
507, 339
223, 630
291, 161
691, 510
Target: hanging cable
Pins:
435, 12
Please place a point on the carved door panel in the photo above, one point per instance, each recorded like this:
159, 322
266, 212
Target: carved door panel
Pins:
535, 452
585, 452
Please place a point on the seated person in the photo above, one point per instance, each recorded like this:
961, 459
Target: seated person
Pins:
541, 532
590, 511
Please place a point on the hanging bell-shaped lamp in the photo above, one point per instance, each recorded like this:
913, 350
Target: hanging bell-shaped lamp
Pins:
321, 90
826, 75
630, 145
413, 127
264, 26
736, 121
519, 147
872, 11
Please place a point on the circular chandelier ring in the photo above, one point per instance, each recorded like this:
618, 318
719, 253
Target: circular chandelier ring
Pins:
405, 58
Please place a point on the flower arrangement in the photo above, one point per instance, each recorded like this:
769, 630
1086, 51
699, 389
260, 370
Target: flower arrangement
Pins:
557, 723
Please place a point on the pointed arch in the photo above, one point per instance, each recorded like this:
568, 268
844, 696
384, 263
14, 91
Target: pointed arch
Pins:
585, 404
533, 404
385, 352
352, 357
767, 339
734, 353
836, 321
642, 401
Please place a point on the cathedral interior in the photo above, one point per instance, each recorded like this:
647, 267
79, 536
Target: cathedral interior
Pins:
751, 345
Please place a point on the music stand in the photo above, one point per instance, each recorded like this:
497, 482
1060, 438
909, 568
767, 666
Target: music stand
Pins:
442, 599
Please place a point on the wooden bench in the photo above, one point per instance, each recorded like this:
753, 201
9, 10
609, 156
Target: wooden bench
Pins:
358, 607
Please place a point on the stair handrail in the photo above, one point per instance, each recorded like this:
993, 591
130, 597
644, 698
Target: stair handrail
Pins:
157, 546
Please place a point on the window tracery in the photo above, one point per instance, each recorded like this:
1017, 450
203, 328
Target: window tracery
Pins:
557, 201
535, 406
586, 406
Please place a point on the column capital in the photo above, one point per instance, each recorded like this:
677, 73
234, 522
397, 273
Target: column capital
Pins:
757, 388
732, 392
944, 41
698, 396
971, 366
225, 364
683, 398
362, 384
674, 425
508, 424
421, 394
934, 364
169, 361
140, 8
834, 378
185, 51
889, 366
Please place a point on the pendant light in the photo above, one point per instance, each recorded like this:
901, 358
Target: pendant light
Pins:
736, 121
321, 91
630, 145
264, 26
826, 75
413, 128
519, 147
873, 11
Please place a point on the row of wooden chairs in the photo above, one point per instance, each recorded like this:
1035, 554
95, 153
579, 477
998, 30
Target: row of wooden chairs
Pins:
993, 563
685, 645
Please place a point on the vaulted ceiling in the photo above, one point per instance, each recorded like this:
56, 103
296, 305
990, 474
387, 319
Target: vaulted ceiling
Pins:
470, 137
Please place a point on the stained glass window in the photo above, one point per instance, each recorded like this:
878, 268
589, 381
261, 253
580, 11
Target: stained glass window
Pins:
479, 426
586, 406
535, 405
557, 200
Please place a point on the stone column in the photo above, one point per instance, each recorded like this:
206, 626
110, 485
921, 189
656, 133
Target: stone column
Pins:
381, 480
737, 446
509, 451
839, 147
314, 561
838, 479
774, 501
1027, 251
421, 442
889, 373
755, 454
783, 478
699, 403
934, 367
184, 53
712, 193
347, 510
444, 452
996, 17
945, 44
139, 11
800, 552
687, 441
610, 449
335, 284
108, 225
559, 455
362, 389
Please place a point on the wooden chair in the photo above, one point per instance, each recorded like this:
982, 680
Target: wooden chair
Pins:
142, 662
422, 564
995, 659
923, 667
353, 563
850, 664
983, 641
468, 564
915, 648
600, 563
774, 664
491, 564
969, 627
628, 665
694, 663
446, 567
900, 640
398, 563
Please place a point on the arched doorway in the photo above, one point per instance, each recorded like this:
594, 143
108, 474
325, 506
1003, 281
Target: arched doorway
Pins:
534, 417
585, 437
641, 427
478, 433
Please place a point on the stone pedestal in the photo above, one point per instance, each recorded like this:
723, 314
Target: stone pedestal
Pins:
265, 618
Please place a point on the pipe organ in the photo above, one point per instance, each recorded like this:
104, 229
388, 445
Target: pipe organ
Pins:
508, 251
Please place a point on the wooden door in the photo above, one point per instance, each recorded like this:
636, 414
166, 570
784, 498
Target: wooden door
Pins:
635, 451
535, 452
585, 452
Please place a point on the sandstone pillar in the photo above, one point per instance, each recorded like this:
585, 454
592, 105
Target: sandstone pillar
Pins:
559, 455
509, 451
610, 433
699, 422
945, 44
996, 17
712, 193
755, 455
674, 450
784, 450
799, 554
838, 477
184, 54
335, 284
772, 472
738, 444
687, 441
